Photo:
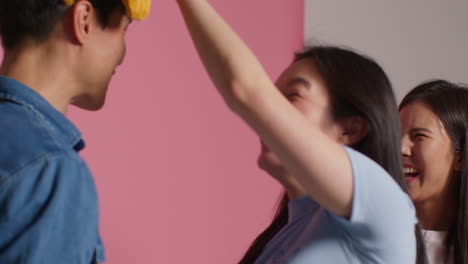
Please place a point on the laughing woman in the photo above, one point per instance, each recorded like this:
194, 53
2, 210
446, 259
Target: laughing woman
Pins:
330, 135
434, 119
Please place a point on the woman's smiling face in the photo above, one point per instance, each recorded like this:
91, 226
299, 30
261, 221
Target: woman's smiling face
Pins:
428, 155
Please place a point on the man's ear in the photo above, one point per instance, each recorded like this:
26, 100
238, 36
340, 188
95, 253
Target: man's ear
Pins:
354, 129
82, 24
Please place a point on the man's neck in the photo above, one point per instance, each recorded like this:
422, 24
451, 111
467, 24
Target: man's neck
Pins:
39, 67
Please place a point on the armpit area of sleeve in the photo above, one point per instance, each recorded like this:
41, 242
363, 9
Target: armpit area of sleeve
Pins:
379, 205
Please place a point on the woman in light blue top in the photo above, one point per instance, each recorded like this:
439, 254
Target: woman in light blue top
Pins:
330, 135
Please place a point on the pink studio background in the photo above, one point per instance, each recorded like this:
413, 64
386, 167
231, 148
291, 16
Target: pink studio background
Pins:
175, 169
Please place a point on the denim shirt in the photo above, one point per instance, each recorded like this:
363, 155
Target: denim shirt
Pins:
48, 199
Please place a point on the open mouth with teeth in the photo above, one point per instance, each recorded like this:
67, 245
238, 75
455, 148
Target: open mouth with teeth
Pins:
410, 174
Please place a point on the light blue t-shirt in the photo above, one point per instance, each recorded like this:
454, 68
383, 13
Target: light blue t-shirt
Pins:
380, 229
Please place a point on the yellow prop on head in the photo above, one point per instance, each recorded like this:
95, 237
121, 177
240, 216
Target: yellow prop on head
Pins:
136, 9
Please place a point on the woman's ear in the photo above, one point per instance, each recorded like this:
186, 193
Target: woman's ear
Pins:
457, 162
354, 129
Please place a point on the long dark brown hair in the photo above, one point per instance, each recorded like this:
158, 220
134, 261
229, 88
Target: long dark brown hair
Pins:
449, 102
357, 86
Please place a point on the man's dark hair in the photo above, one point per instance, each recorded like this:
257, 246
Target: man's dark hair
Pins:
35, 19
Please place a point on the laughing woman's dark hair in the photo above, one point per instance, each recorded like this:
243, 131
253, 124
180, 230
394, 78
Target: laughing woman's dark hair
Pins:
449, 102
35, 19
357, 86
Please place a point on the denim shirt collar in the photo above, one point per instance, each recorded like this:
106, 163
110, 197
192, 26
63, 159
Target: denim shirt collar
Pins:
61, 128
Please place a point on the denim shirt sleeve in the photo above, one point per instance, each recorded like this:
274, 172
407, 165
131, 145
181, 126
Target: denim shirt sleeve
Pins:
48, 213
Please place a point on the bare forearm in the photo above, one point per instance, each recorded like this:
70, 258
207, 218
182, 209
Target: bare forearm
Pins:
308, 154
231, 65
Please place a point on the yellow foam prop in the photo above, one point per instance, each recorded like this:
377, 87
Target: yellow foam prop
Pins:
136, 9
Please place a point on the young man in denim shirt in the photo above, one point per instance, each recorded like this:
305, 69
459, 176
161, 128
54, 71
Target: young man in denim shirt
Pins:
56, 53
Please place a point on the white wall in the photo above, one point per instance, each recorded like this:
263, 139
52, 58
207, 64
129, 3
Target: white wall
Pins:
413, 40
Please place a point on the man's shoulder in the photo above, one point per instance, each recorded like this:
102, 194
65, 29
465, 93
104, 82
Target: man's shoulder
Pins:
24, 138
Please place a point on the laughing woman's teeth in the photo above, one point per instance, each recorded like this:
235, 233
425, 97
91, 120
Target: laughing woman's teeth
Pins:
410, 171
